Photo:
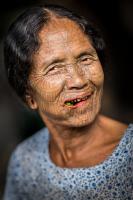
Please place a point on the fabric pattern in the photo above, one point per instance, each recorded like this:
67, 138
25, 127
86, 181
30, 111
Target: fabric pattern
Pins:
33, 176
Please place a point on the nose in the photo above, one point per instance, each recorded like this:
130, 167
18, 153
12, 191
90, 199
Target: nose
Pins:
75, 78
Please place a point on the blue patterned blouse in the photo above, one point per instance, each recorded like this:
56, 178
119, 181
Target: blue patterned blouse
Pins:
33, 176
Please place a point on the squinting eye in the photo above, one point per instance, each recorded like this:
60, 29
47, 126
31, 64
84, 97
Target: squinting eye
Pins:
52, 70
86, 60
55, 68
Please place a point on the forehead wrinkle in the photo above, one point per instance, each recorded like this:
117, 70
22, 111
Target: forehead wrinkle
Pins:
60, 31
64, 41
60, 25
55, 37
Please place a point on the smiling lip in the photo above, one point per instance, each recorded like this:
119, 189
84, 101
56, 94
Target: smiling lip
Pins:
79, 97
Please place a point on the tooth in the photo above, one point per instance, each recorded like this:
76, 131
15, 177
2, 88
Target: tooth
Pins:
85, 98
78, 100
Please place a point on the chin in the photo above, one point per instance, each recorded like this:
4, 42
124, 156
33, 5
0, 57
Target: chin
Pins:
80, 121
85, 120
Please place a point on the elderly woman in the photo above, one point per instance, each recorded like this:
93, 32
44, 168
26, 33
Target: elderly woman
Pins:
54, 59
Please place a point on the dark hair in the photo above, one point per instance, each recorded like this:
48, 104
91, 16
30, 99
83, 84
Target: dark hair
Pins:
22, 42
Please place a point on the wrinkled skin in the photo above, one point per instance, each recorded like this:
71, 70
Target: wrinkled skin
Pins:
67, 66
53, 83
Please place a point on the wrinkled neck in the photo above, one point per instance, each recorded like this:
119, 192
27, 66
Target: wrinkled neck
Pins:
67, 142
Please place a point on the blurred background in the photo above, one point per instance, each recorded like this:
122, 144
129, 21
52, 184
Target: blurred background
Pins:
115, 19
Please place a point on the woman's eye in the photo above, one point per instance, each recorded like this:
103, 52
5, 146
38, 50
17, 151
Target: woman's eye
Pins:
55, 69
52, 68
86, 60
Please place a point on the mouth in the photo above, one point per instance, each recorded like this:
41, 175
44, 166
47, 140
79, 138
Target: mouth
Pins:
77, 101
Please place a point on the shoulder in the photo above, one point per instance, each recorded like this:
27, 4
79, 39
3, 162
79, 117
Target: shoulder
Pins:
24, 164
115, 130
113, 127
34, 142
29, 149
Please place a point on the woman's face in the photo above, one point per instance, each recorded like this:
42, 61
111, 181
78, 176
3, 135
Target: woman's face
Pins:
67, 77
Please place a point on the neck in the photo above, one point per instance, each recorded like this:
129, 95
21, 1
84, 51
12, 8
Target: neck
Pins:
67, 143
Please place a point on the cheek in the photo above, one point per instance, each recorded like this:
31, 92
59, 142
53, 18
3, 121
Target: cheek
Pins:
49, 90
96, 75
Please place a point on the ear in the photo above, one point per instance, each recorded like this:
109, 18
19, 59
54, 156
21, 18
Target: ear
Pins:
31, 102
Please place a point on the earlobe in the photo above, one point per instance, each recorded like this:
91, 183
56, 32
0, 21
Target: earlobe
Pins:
31, 102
